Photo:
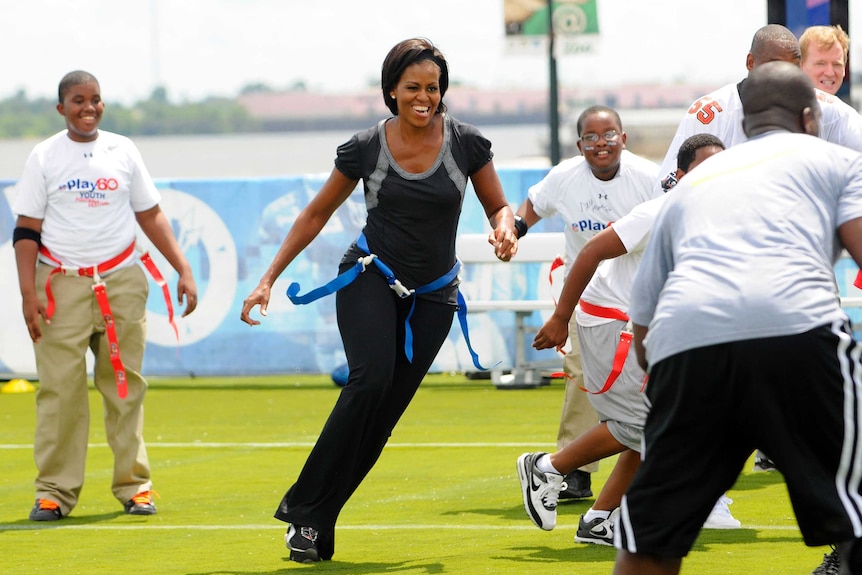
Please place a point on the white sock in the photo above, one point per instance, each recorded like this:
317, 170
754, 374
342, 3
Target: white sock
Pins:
545, 466
593, 513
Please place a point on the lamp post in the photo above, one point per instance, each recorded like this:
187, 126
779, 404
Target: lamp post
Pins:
553, 104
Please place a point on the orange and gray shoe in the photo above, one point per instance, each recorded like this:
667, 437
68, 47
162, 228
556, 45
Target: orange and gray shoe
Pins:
141, 504
45, 510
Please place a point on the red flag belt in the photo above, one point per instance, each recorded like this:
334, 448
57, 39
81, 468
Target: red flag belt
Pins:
101, 295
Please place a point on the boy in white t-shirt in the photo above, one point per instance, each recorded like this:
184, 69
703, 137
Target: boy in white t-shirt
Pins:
81, 194
589, 192
600, 284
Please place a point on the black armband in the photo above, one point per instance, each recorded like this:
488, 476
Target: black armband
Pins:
520, 227
20, 233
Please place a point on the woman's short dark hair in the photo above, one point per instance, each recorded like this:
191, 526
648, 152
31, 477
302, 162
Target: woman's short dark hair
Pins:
405, 54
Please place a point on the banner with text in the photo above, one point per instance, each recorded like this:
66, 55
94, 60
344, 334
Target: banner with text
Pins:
230, 230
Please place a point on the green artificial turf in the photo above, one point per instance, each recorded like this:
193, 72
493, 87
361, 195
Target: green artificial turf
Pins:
444, 497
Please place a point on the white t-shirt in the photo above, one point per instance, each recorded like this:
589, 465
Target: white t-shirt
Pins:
611, 285
720, 113
746, 245
86, 194
587, 204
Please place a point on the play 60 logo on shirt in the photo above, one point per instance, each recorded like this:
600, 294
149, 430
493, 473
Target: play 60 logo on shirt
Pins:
102, 184
588, 226
93, 193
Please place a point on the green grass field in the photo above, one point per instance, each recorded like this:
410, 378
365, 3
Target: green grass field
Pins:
444, 497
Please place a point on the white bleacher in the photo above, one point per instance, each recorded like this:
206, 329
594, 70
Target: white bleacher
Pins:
533, 248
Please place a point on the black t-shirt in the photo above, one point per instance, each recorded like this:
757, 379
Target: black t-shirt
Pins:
413, 218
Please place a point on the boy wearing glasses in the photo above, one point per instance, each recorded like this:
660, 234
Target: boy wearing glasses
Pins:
589, 192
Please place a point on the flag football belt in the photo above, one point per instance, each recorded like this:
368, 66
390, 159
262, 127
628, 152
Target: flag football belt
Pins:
361, 265
104, 305
625, 343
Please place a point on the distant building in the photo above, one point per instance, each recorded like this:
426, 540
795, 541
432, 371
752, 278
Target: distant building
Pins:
297, 110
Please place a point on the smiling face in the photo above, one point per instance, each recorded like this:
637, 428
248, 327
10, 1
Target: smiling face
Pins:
417, 93
825, 66
82, 108
603, 155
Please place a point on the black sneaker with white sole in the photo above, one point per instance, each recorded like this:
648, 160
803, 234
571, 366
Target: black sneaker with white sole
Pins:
831, 564
578, 486
598, 531
302, 542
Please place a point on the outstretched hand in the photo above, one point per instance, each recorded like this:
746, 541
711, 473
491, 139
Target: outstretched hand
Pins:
554, 334
260, 296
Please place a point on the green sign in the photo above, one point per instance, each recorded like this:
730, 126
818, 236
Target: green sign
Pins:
571, 17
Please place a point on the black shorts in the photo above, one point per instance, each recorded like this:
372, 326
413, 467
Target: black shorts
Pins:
797, 397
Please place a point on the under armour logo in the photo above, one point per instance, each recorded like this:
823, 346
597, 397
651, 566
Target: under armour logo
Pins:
603, 196
88, 154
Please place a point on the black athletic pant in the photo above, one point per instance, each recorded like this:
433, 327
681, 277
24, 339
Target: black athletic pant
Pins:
381, 384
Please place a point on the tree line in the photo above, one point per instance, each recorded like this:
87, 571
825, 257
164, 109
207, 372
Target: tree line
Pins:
22, 117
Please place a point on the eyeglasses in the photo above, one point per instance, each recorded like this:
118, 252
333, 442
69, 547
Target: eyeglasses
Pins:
608, 136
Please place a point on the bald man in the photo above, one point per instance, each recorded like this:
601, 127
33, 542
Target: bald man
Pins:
737, 363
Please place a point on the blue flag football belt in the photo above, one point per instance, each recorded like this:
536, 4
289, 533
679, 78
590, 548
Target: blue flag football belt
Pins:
361, 265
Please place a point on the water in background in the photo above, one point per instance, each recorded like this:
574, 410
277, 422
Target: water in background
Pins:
276, 154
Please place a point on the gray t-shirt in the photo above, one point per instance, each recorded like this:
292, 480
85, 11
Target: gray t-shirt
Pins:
745, 245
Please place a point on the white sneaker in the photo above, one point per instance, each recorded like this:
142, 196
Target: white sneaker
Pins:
720, 517
541, 491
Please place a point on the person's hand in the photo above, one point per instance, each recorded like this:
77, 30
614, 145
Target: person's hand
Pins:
505, 243
33, 310
554, 333
188, 291
260, 296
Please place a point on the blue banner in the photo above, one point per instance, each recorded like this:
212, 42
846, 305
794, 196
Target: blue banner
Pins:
230, 230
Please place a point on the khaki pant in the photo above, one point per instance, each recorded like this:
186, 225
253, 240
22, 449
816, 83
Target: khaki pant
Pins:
578, 414
62, 402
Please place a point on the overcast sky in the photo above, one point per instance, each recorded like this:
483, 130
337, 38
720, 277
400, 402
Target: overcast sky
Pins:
196, 48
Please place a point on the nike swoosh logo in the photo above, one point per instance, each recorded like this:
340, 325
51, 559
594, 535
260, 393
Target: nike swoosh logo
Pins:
534, 485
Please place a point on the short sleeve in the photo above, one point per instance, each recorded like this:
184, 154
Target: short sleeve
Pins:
850, 199
348, 158
143, 194
31, 199
478, 152
471, 149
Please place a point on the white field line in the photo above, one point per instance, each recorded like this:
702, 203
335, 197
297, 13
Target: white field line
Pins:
289, 444
303, 444
265, 527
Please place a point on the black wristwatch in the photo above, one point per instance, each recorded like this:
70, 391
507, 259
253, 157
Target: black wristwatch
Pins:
520, 227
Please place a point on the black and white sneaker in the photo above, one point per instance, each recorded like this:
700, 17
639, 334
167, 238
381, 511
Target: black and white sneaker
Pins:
302, 542
830, 565
763, 463
541, 491
599, 531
